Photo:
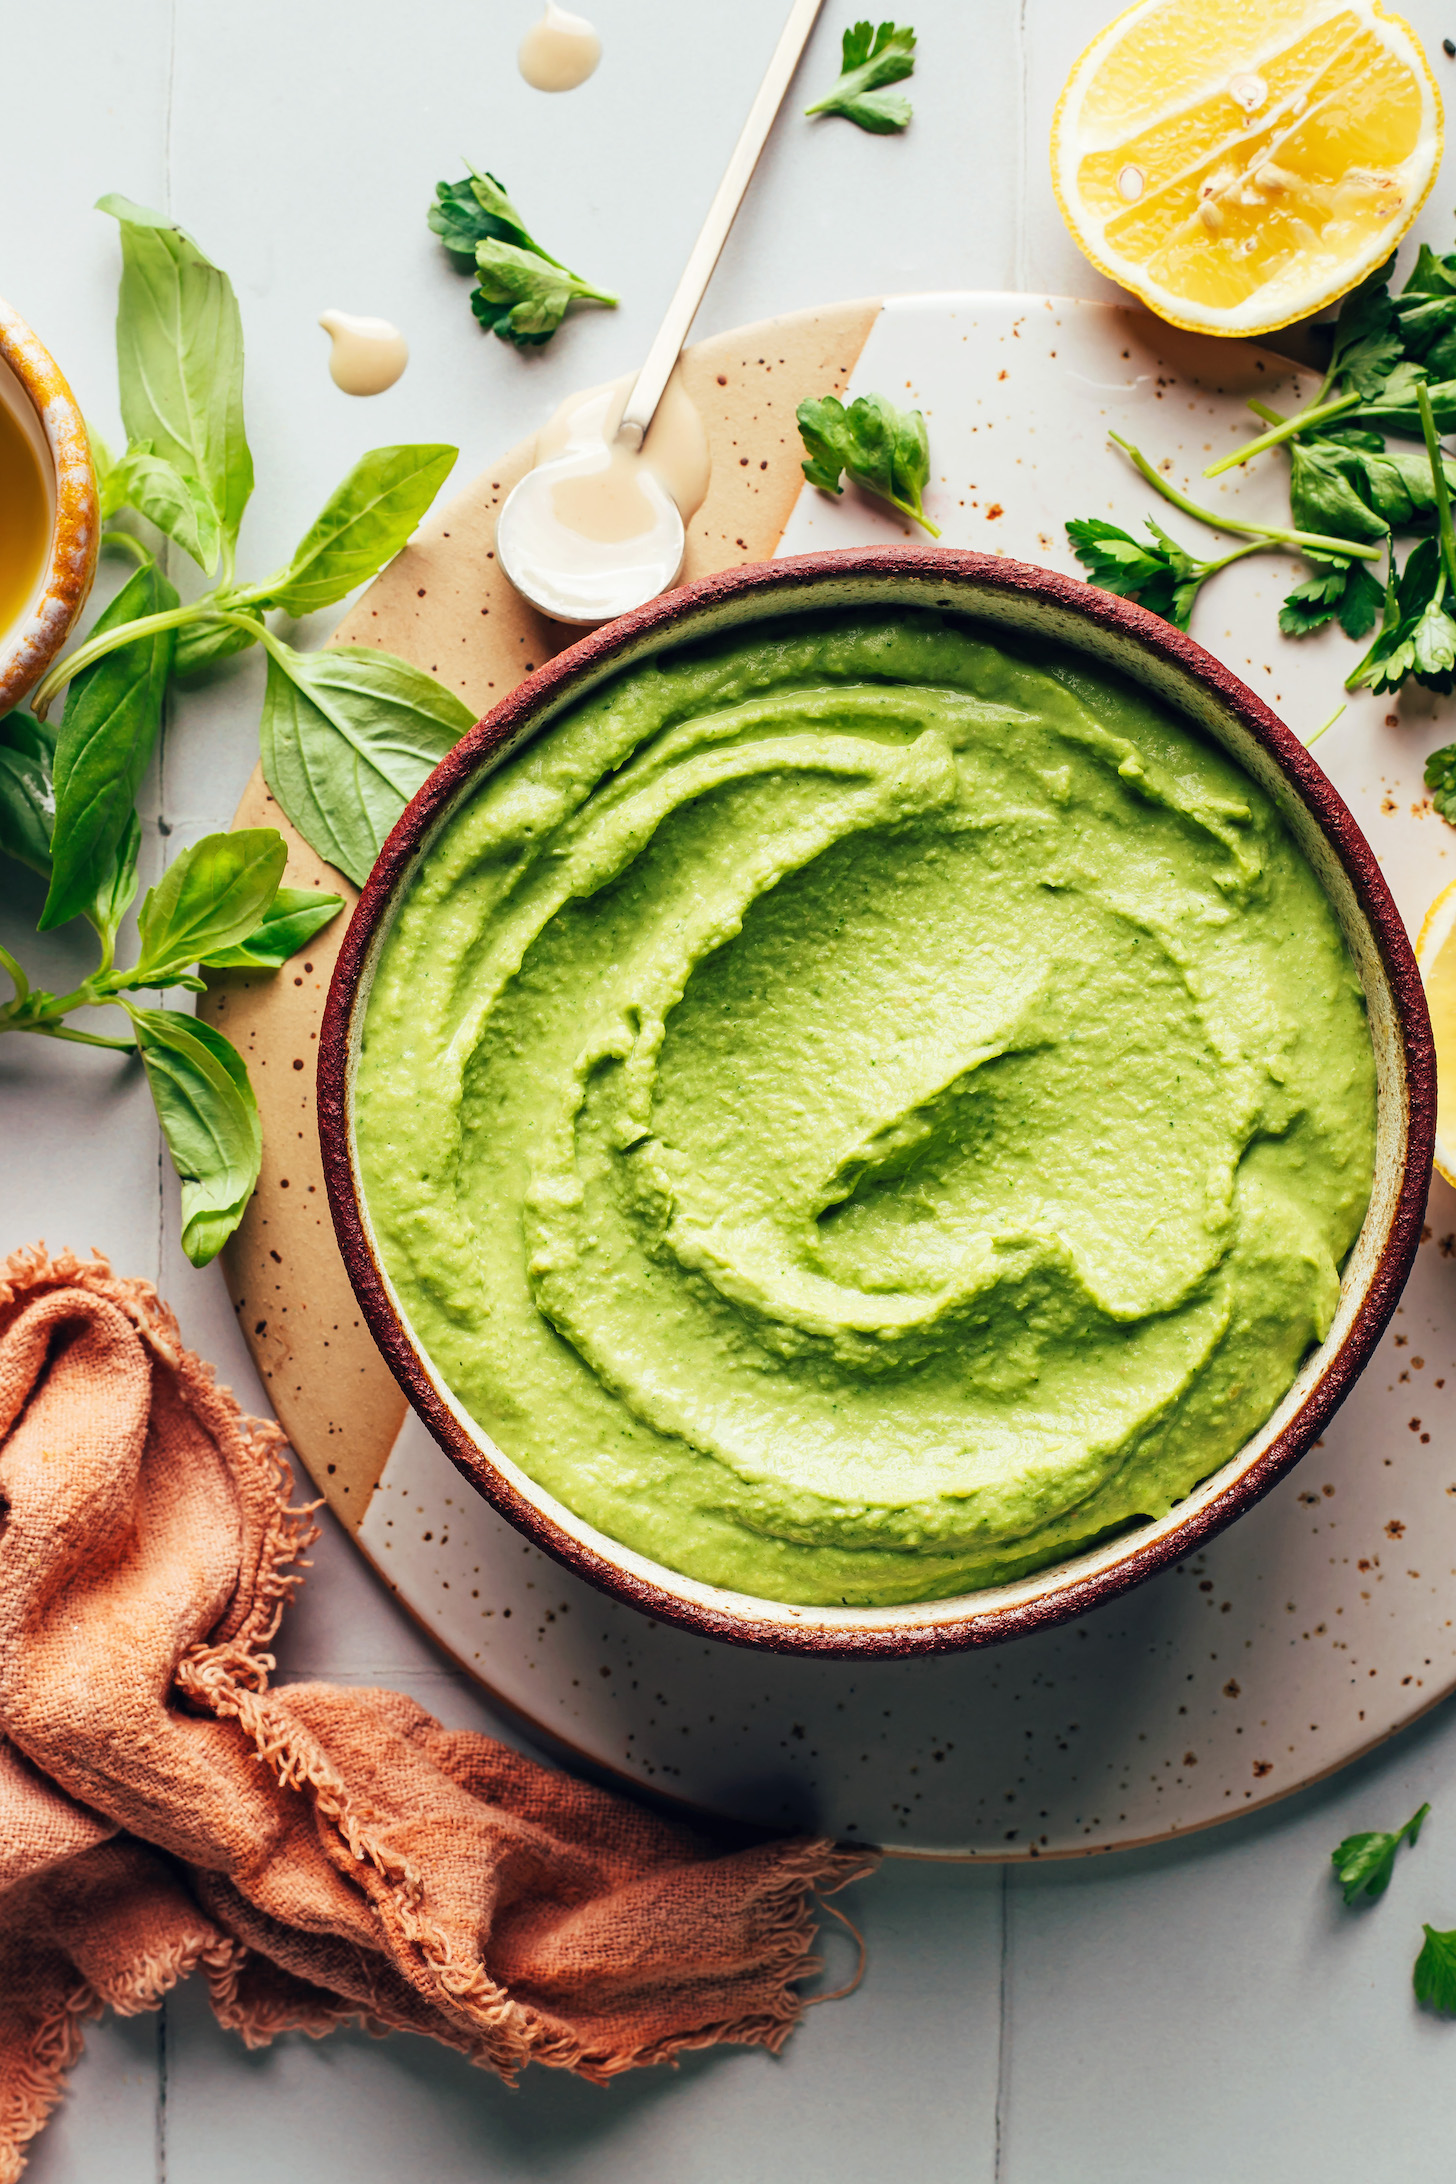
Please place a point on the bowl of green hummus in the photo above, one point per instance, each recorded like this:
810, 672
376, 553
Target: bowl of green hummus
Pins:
877, 1102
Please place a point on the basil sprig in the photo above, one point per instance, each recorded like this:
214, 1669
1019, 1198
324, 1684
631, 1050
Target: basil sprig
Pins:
348, 735
218, 906
344, 747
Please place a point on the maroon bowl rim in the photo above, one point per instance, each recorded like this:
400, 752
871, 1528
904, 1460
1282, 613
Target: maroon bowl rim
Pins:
778, 582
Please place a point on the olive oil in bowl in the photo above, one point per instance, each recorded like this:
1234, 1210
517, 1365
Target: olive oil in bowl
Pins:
25, 518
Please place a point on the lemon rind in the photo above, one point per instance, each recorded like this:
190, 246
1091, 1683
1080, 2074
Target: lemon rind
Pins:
1239, 322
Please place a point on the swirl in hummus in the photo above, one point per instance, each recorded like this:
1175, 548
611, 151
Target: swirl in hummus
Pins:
858, 1113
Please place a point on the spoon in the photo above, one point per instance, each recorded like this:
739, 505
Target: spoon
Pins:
585, 579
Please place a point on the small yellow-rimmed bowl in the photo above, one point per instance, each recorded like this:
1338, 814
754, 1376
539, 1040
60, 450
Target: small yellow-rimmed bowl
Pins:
34, 390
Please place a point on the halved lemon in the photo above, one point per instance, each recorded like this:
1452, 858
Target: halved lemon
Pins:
1436, 955
1240, 163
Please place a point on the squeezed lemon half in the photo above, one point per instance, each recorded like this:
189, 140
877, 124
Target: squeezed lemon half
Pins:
1436, 955
1240, 163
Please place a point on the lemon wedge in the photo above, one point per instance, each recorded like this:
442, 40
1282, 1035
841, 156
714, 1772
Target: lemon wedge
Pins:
1240, 163
1436, 955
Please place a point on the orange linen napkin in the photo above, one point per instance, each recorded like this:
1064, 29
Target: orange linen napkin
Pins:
322, 1855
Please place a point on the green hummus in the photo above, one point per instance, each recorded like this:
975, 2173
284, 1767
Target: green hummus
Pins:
858, 1115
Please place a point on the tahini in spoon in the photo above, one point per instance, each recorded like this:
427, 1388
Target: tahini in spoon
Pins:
594, 532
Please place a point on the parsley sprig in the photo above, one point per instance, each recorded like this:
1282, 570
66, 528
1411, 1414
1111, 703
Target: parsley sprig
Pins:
1167, 579
879, 447
1392, 374
871, 60
521, 292
1364, 1863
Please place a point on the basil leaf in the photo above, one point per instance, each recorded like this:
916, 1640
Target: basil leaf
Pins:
209, 1117
347, 737
212, 896
27, 798
113, 898
363, 525
201, 642
113, 712
156, 489
293, 917
179, 354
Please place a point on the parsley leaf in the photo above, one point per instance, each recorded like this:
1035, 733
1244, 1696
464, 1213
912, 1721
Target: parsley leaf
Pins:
475, 210
1161, 577
523, 297
522, 293
1367, 338
1426, 313
1434, 1978
1344, 592
1364, 1863
1418, 633
1397, 409
870, 59
1417, 636
1441, 780
1322, 497
1397, 484
884, 449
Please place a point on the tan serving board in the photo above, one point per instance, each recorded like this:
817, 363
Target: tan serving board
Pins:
1314, 1627
444, 605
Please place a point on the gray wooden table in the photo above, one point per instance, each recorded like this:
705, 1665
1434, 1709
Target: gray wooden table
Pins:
1202, 2012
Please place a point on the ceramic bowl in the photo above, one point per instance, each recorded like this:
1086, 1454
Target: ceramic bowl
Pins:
1026, 604
33, 389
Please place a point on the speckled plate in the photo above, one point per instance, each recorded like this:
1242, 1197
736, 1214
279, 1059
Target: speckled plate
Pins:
1314, 1627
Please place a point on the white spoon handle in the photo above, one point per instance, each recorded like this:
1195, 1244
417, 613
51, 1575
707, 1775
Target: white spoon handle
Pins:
673, 332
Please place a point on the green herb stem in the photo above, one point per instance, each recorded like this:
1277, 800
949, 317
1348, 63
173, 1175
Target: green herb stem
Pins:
97, 647
1255, 546
1442, 489
272, 645
1319, 413
1311, 741
78, 1038
128, 544
1273, 533
18, 979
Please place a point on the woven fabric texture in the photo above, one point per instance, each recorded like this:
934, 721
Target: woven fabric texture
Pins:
319, 1855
